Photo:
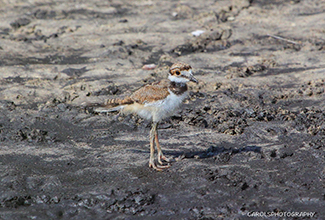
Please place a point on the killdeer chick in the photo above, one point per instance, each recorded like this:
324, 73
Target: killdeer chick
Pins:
156, 102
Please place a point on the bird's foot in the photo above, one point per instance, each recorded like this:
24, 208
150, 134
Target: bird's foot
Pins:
158, 167
162, 157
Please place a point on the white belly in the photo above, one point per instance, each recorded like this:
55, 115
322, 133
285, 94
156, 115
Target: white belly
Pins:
162, 109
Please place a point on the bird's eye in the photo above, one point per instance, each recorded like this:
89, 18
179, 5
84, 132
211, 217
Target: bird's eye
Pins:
177, 72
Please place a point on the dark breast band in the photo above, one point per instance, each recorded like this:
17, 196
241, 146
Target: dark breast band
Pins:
177, 88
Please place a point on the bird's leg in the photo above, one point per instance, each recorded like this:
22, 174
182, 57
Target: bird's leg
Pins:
152, 149
160, 153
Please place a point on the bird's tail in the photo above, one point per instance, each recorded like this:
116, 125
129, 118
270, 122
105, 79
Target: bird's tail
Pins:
113, 105
105, 109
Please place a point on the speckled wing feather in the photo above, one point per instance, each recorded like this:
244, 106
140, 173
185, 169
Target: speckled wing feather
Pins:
118, 101
151, 93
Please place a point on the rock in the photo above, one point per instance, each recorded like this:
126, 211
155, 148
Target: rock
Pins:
149, 66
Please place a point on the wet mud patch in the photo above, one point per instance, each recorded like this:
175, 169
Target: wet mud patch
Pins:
32, 190
51, 59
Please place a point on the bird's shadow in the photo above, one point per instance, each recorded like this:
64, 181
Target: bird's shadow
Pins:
212, 151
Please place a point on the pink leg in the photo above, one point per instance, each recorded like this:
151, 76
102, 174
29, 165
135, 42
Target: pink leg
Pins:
160, 153
153, 135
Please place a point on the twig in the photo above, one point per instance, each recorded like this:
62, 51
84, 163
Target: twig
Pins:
281, 38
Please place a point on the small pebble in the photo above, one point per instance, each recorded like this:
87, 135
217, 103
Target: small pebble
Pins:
149, 66
197, 33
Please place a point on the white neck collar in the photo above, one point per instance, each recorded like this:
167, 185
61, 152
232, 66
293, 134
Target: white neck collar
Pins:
177, 79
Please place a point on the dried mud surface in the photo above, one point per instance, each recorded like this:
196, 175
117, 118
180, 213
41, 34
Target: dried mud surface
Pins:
250, 137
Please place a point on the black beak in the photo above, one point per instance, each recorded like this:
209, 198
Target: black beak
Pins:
193, 79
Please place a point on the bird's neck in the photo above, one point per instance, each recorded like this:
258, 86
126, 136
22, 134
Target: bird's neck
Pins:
177, 88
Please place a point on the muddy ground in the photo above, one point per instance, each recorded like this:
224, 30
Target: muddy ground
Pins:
250, 137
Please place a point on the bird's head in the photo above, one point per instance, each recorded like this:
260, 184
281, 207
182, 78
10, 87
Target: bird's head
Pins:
181, 73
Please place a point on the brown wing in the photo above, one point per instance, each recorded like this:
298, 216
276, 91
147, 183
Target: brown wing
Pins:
151, 93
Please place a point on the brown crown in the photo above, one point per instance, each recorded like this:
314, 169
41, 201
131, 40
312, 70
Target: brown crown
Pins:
179, 67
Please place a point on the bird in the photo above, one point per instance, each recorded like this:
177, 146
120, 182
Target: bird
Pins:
155, 102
